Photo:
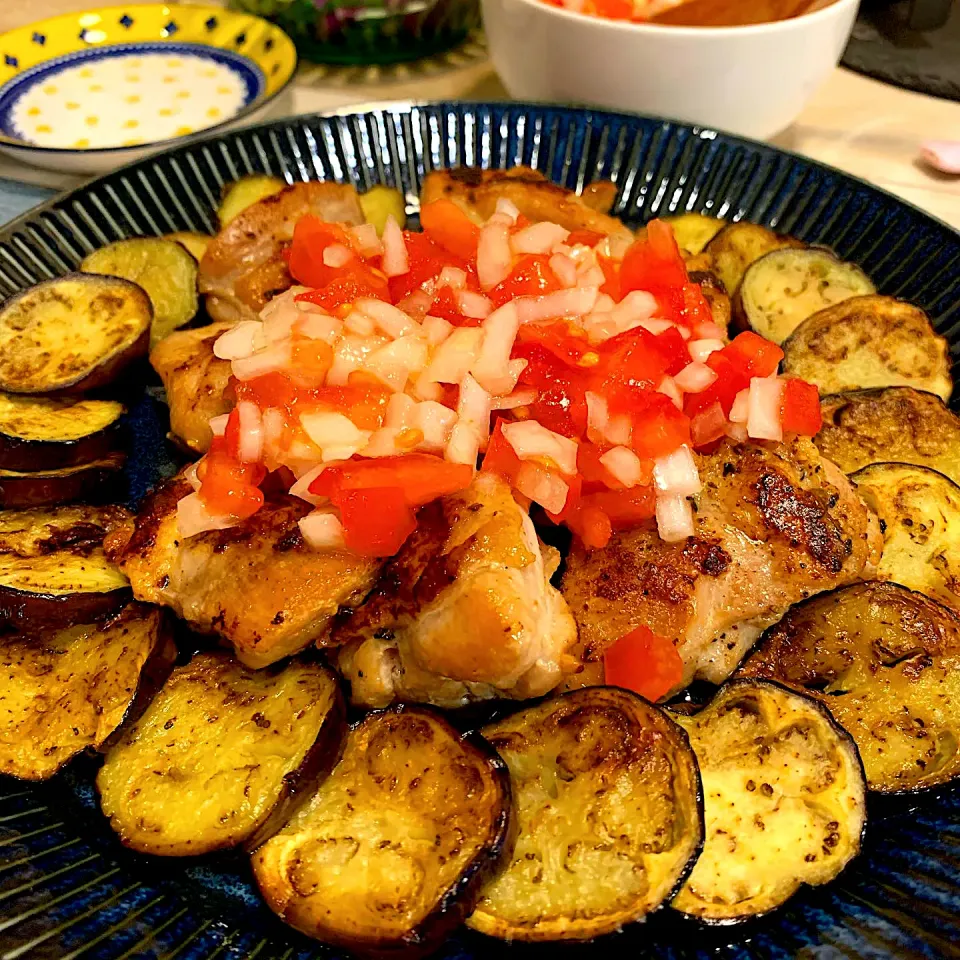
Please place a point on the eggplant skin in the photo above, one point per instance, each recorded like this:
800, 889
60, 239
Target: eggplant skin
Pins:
67, 691
94, 481
222, 756
732, 249
893, 423
389, 854
885, 662
40, 433
610, 816
785, 801
72, 334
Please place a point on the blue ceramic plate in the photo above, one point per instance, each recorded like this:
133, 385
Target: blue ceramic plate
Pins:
67, 889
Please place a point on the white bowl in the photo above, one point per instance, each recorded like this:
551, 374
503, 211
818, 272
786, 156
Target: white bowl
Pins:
750, 80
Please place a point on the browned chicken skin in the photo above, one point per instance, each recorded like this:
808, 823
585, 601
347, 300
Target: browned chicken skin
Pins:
477, 192
243, 267
775, 524
464, 612
258, 585
196, 382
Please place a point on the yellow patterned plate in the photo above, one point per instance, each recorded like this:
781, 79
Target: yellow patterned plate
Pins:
86, 92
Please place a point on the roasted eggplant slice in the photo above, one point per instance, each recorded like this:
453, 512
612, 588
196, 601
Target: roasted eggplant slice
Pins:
738, 245
53, 571
785, 800
780, 290
919, 511
164, 268
866, 342
245, 192
39, 433
895, 423
391, 851
379, 203
693, 231
222, 756
72, 334
886, 662
85, 481
69, 690
610, 816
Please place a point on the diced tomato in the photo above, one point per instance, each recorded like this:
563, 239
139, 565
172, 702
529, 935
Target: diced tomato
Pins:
753, 355
589, 238
531, 277
631, 364
625, 508
686, 305
445, 305
614, 9
645, 662
228, 487
659, 429
500, 457
270, 390
591, 525
420, 477
570, 507
231, 435
654, 262
730, 381
447, 225
311, 236
427, 259
561, 405
361, 281
376, 520
310, 360
562, 341
800, 408
595, 475
673, 348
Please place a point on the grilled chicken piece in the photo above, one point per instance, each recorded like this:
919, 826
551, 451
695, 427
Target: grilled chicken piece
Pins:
775, 524
258, 585
465, 611
195, 381
243, 267
477, 191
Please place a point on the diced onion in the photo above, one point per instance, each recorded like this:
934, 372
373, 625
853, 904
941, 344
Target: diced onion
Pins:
394, 362
576, 302
349, 354
530, 440
674, 518
514, 368
395, 261
597, 414
695, 377
424, 389
452, 277
436, 329
619, 430
676, 473
656, 325
519, 398
701, 349
474, 305
274, 358
335, 434
740, 409
709, 331
392, 321
545, 487
434, 421
538, 238
591, 277
301, 488
190, 475
668, 387
321, 530
737, 431
507, 208
193, 517
763, 412
455, 356
239, 341
365, 240
473, 406
383, 443
336, 255
218, 425
624, 465
278, 318
399, 412
417, 305
493, 255
491, 368
564, 268
463, 445
250, 446
318, 326
359, 323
